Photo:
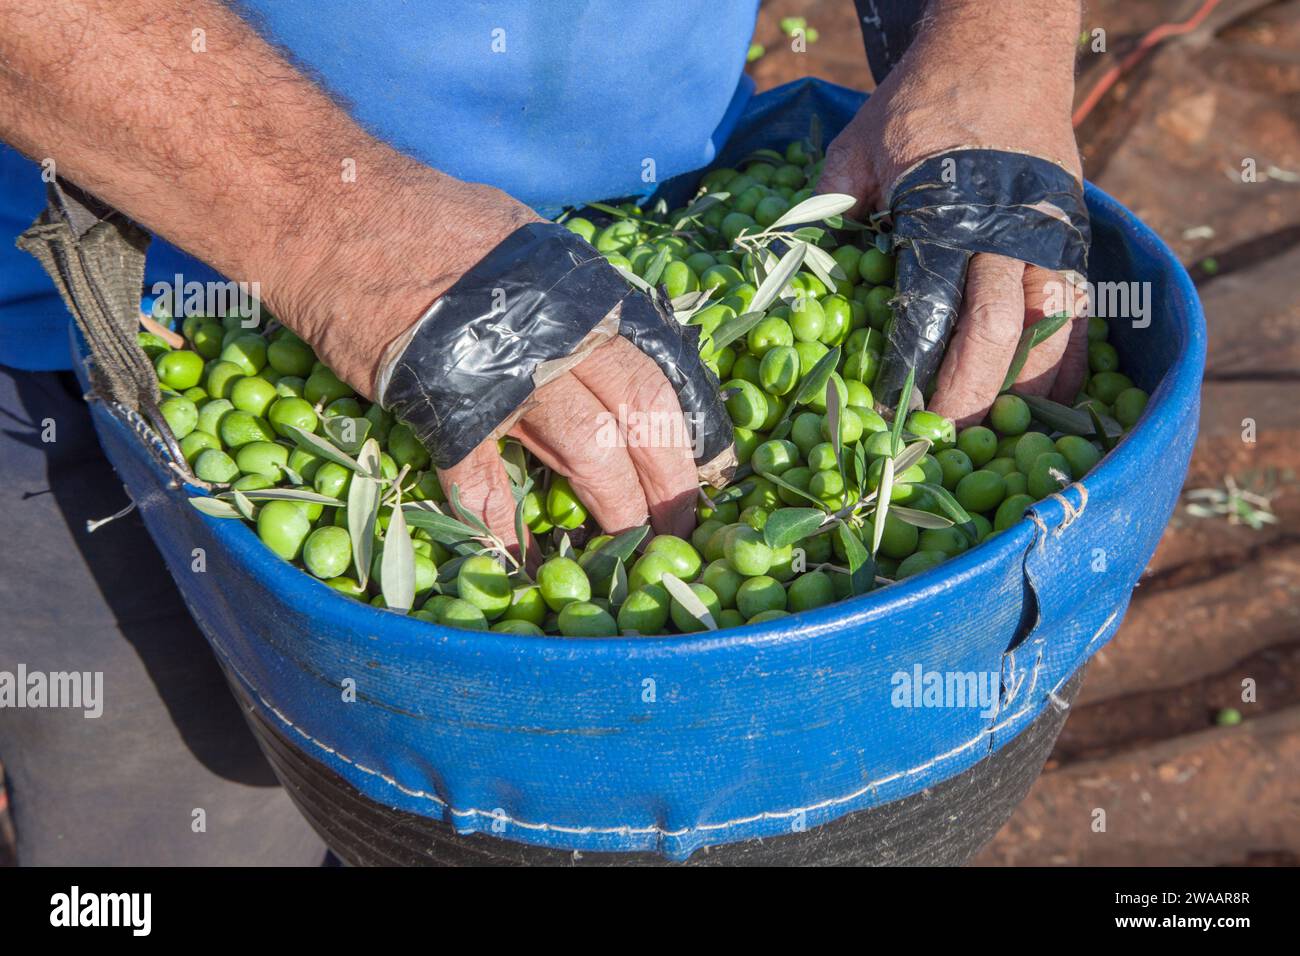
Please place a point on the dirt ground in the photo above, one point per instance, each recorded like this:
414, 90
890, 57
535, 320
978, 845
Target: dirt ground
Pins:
1219, 603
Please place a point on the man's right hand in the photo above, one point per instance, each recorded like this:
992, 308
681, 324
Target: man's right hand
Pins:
265, 178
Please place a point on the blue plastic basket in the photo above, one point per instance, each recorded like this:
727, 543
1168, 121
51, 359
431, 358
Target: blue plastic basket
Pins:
676, 743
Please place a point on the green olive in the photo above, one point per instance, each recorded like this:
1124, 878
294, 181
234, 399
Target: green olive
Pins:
562, 581
179, 369
746, 552
265, 458
809, 591
1009, 415
759, 594
181, 414
327, 552
215, 466
584, 619
646, 610
685, 560
483, 581
285, 412
283, 527
685, 621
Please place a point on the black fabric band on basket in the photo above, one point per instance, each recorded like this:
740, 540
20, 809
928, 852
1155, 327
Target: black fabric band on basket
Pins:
950, 207
533, 299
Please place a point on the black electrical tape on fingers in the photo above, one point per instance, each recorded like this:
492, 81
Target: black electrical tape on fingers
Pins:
470, 363
952, 206
675, 348
532, 299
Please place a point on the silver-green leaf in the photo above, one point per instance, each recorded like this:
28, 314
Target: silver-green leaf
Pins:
681, 592
397, 566
815, 209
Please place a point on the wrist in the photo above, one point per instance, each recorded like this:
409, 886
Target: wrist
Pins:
1029, 45
363, 261
979, 74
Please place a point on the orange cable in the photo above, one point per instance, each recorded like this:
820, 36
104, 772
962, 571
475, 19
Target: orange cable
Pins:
1148, 42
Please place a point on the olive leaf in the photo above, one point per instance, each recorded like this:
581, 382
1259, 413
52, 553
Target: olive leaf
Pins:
284, 494
689, 304
882, 504
862, 569
441, 527
565, 548
515, 461
448, 570
521, 530
701, 205
1037, 333
637, 281
601, 562
465, 515
776, 281
920, 519
765, 154
363, 508
656, 267
681, 592
734, 328
349, 434
960, 516
618, 586
900, 413
824, 266
397, 565
859, 462
1072, 421
215, 507
815, 209
610, 210
325, 449
778, 480
733, 493
788, 525
1099, 429
833, 423
781, 429
817, 379
293, 476
847, 224
910, 455
244, 506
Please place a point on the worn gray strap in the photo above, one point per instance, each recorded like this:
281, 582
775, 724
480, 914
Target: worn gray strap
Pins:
95, 256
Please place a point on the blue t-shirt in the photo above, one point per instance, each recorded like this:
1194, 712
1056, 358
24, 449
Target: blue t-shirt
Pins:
555, 103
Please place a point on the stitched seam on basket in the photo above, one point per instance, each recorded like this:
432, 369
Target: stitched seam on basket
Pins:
628, 830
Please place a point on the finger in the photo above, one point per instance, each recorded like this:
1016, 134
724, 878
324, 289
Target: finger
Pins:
846, 169
484, 490
1074, 363
981, 349
570, 431
1044, 289
630, 385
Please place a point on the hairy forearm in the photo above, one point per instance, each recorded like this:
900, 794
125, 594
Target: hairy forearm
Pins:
177, 113
991, 41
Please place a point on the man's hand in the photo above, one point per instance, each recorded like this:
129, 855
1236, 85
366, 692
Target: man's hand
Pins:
227, 151
998, 76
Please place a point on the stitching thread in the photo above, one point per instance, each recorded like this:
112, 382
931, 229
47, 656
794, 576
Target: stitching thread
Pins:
628, 830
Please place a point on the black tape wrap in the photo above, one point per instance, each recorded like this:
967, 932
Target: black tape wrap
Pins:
948, 208
534, 298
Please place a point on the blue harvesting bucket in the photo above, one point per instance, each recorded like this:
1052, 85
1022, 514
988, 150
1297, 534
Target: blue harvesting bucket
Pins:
661, 747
